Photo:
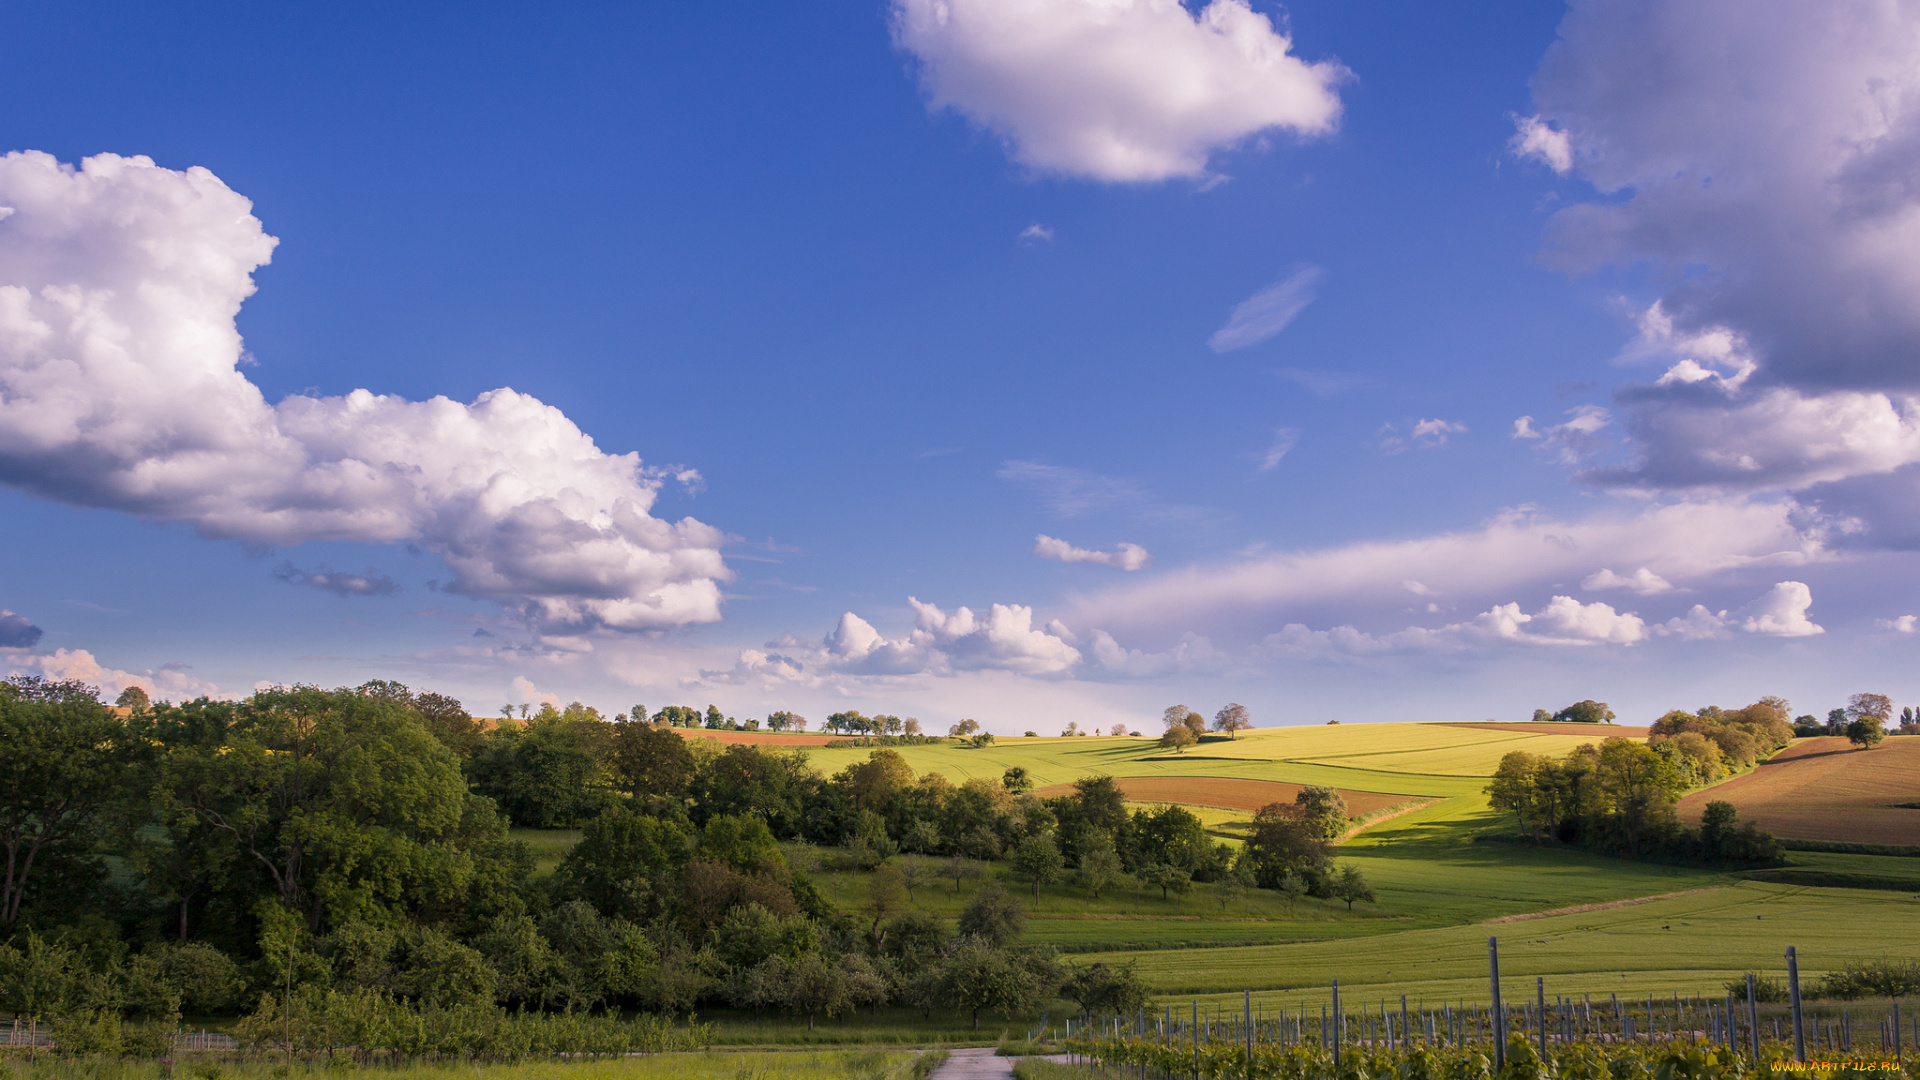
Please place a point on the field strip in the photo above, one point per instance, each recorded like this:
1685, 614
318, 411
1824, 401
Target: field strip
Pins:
1388, 814
1579, 909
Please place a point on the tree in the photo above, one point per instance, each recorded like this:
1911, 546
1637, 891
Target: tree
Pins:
1016, 780
1292, 887
978, 975
1167, 879
1117, 730
623, 858
1866, 732
1542, 716
1180, 715
1233, 719
964, 728
1178, 738
1037, 859
1351, 886
1100, 866
914, 874
1282, 842
1513, 789
959, 868
910, 726
886, 893
649, 761
871, 784
64, 759
786, 721
1877, 706
134, 698
715, 721
1233, 887
1585, 712
1324, 806
993, 916
1105, 991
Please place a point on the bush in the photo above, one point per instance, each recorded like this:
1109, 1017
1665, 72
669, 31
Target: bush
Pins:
1768, 991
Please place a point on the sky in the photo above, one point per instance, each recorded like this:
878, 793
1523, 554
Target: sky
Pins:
1032, 361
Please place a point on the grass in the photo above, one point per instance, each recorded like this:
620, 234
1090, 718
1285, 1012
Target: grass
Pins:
1689, 943
864, 1064
549, 846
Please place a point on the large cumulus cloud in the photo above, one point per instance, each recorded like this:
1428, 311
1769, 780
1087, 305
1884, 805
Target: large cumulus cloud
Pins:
1763, 157
1116, 90
121, 387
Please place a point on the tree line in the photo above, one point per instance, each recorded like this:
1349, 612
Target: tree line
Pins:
304, 848
1618, 796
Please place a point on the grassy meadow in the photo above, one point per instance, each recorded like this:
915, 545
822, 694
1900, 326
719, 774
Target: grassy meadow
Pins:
1588, 924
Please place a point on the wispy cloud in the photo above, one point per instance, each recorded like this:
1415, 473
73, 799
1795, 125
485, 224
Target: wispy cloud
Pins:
1268, 311
1284, 440
1070, 492
1128, 557
1037, 233
371, 583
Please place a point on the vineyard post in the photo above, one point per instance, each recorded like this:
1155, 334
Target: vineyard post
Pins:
1753, 1018
1339, 1024
1406, 1033
1793, 988
1246, 1013
1896, 1034
1499, 1014
1540, 1011
1196, 1039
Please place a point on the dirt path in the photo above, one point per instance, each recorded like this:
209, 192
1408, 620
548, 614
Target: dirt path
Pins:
979, 1063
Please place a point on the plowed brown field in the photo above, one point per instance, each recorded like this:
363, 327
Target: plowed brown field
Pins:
1230, 793
1824, 789
1611, 731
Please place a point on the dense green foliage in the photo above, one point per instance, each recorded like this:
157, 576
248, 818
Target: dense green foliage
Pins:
1619, 796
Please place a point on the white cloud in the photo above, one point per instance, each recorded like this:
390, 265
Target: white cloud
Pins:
1435, 432
1900, 624
1574, 441
1518, 549
522, 691
1268, 311
1782, 612
1037, 232
1698, 623
1116, 90
1127, 557
940, 643
1642, 582
120, 388
1534, 139
1762, 157
1193, 655
1284, 440
170, 682
1564, 621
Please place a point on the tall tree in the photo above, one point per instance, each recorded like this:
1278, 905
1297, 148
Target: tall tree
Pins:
64, 759
1233, 718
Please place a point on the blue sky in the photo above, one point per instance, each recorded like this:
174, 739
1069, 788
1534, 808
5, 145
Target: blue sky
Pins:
880, 294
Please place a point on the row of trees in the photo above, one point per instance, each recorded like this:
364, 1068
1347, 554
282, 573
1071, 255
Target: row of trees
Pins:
304, 843
1619, 796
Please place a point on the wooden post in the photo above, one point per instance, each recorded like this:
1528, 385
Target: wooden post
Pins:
1793, 991
1540, 1008
1246, 1014
1753, 1019
1499, 1014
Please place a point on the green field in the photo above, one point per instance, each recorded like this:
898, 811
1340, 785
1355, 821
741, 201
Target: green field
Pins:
1441, 894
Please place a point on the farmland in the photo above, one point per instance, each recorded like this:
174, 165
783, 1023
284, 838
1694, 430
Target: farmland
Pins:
1590, 924
1825, 789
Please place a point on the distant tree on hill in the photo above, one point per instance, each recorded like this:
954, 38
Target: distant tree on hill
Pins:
1541, 716
1877, 706
1233, 719
1016, 780
133, 698
1585, 712
964, 728
1178, 738
1324, 807
910, 726
786, 721
1181, 716
1866, 732
1038, 860
1118, 729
